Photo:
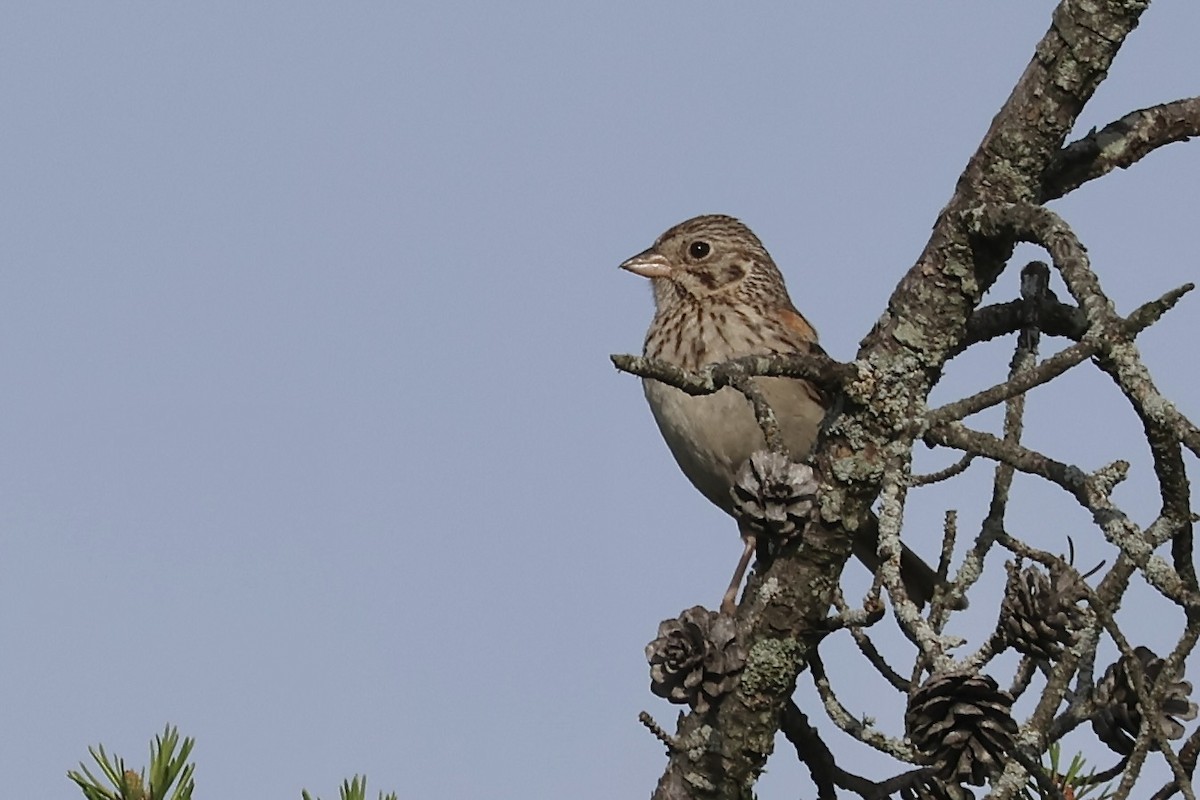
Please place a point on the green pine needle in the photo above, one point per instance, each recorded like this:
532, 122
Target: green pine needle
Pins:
1072, 783
353, 789
169, 772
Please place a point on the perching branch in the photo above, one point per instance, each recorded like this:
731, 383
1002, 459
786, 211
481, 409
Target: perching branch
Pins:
815, 366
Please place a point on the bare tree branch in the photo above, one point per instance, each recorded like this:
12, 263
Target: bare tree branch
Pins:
815, 366
864, 453
1043, 227
1144, 316
813, 751
1120, 144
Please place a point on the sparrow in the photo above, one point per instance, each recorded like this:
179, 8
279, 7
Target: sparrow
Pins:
717, 296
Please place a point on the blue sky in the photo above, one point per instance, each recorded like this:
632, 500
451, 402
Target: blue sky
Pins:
309, 440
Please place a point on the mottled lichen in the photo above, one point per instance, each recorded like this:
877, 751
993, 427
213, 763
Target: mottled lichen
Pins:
695, 743
771, 667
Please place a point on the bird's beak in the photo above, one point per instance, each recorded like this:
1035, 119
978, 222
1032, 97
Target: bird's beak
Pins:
648, 264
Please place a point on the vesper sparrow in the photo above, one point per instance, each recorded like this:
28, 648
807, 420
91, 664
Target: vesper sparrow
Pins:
718, 295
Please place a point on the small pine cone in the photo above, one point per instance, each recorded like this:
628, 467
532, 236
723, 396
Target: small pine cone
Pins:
962, 725
1120, 717
696, 658
134, 787
774, 494
1040, 615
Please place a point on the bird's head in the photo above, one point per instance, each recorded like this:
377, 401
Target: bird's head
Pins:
708, 258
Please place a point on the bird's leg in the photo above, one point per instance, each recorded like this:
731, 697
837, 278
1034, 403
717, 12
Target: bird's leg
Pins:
729, 601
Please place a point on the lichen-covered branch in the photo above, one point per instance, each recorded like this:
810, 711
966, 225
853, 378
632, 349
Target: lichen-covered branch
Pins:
865, 452
1043, 227
815, 366
1049, 369
1120, 144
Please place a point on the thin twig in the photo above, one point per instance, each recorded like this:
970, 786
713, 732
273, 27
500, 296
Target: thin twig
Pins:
660, 734
763, 413
1041, 226
867, 647
812, 750
1049, 369
813, 366
840, 716
955, 469
1058, 319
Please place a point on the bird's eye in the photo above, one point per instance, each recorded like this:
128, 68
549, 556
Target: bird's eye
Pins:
698, 249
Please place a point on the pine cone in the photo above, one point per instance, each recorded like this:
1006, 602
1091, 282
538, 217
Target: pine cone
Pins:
962, 725
774, 494
696, 658
1040, 614
1120, 717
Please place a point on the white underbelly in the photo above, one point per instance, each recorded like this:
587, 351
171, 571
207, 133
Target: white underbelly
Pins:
711, 436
